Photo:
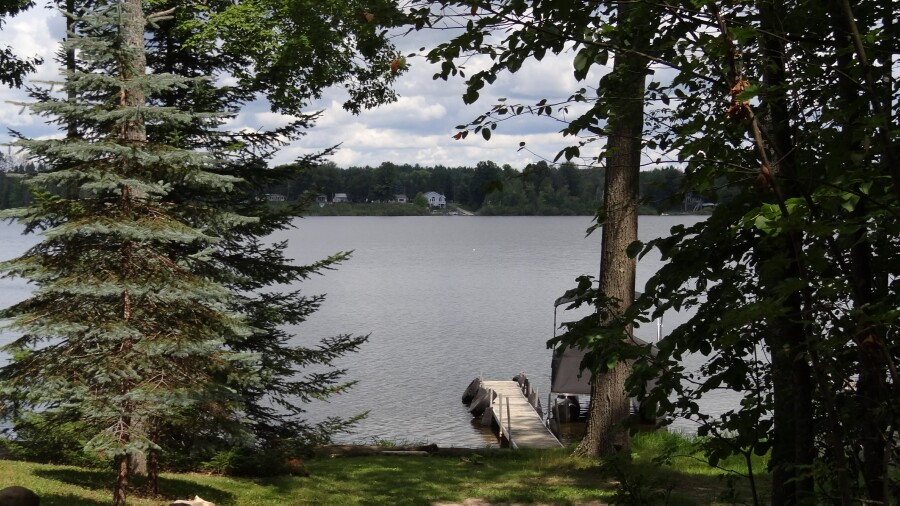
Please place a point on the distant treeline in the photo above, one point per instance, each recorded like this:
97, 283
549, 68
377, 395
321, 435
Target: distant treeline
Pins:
12, 192
489, 189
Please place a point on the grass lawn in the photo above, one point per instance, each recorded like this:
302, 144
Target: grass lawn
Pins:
523, 476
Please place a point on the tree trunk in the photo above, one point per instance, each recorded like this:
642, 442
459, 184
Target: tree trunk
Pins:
871, 390
793, 439
872, 393
607, 431
132, 28
792, 442
120, 491
153, 472
72, 127
132, 32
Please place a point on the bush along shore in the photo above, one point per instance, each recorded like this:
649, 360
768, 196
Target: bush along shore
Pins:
662, 468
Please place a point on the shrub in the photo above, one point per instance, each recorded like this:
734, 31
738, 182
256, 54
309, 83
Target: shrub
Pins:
52, 439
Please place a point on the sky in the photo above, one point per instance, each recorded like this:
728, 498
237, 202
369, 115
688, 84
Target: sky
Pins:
417, 129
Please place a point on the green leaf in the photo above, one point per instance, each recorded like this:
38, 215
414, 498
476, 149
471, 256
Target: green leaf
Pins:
611, 362
850, 201
762, 223
582, 63
486, 133
634, 248
749, 92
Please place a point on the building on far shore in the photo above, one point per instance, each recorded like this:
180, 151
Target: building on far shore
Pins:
400, 198
340, 197
436, 200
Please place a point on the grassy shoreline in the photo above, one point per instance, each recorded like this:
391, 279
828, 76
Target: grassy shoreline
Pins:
493, 476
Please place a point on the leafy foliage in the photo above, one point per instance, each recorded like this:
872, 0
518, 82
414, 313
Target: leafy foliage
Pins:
291, 50
792, 280
12, 68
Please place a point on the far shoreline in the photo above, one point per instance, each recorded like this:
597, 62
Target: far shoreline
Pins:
397, 209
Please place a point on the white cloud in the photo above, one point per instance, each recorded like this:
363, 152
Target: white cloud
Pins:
270, 120
34, 33
418, 107
418, 128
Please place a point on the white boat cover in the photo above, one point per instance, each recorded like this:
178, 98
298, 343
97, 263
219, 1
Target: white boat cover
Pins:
566, 376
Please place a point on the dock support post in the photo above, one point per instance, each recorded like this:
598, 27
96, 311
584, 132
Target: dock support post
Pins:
508, 423
535, 400
500, 415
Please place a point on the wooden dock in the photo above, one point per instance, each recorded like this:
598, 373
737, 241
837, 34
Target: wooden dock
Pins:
520, 424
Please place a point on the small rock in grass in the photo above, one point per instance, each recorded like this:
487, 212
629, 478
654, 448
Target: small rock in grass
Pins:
196, 501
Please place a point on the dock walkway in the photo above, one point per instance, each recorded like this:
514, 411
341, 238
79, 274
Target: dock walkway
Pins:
520, 425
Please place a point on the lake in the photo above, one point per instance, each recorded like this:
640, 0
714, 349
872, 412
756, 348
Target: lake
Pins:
444, 299
447, 299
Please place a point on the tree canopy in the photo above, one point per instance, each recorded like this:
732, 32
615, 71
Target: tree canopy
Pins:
155, 321
794, 104
12, 67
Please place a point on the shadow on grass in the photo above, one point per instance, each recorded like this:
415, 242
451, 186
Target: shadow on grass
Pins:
100, 481
510, 478
91, 479
69, 500
678, 486
421, 480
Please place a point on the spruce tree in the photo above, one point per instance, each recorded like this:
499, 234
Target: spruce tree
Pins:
124, 326
204, 182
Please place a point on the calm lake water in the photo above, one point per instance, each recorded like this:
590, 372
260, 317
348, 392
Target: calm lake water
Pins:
444, 299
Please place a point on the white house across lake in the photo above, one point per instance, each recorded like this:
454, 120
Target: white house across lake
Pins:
435, 199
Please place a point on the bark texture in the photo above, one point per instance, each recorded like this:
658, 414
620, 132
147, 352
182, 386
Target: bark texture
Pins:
607, 431
132, 66
120, 491
871, 388
793, 441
